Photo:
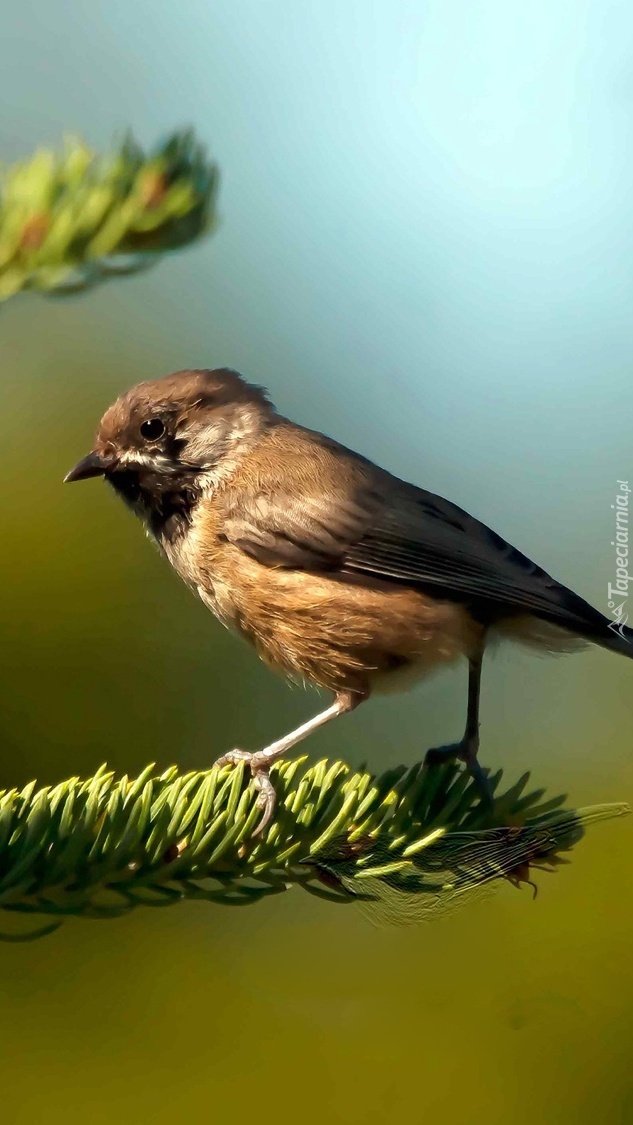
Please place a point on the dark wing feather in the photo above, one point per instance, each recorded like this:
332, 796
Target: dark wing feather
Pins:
352, 517
301, 531
432, 543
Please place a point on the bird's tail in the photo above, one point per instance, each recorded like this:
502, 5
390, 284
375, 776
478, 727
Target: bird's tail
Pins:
566, 633
586, 622
615, 636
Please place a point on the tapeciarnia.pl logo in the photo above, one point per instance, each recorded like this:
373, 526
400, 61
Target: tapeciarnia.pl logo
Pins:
618, 591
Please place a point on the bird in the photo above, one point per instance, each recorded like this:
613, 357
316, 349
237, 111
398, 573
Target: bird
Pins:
339, 573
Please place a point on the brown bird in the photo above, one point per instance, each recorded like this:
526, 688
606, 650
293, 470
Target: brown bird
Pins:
339, 573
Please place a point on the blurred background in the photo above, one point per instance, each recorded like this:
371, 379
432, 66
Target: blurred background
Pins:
426, 250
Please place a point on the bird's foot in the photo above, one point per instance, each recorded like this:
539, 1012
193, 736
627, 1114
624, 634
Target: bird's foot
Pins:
466, 752
259, 764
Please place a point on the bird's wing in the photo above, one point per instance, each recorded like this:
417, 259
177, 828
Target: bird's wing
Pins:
356, 519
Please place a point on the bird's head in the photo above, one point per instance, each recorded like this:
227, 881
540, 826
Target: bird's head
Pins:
174, 434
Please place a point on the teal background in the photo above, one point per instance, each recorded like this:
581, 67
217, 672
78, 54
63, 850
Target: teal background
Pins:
426, 250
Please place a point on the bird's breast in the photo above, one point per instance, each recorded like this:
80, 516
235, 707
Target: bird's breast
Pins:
217, 597
196, 556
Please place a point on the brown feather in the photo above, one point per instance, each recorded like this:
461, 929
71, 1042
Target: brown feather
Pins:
341, 632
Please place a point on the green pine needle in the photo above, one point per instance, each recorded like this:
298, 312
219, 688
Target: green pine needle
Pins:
71, 220
403, 845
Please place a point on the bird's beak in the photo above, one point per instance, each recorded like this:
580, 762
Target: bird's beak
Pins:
94, 465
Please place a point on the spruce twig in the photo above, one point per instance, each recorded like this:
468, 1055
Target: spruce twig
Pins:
400, 844
71, 220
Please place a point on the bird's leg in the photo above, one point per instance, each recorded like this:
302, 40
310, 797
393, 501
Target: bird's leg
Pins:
260, 761
467, 749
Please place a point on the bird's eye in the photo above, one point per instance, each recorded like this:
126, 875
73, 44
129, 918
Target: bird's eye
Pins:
152, 429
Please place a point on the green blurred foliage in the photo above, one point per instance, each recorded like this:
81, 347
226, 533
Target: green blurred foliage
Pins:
70, 220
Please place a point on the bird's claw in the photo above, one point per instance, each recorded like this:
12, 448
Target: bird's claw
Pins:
463, 752
259, 767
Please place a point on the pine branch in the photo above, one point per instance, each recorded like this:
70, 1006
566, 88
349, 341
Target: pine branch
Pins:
71, 220
402, 845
